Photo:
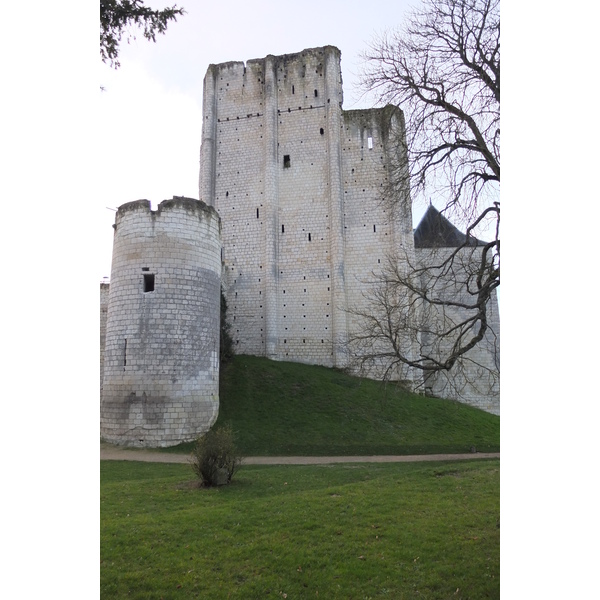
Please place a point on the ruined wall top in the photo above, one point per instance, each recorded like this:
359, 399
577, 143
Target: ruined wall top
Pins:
278, 61
271, 74
190, 205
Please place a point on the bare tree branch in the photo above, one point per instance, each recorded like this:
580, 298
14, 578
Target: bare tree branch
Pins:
443, 69
430, 307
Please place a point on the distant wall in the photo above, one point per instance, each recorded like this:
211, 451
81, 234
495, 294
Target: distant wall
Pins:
475, 379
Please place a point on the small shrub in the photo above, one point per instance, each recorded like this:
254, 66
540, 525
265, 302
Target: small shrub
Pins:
214, 458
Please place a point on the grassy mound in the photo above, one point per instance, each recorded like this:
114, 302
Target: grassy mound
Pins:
281, 408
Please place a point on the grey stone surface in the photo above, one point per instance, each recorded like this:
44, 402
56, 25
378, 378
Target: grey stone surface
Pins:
161, 355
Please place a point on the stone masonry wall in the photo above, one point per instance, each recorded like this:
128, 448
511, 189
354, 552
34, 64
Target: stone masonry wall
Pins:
298, 183
377, 217
104, 290
300, 212
161, 359
312, 213
265, 167
475, 379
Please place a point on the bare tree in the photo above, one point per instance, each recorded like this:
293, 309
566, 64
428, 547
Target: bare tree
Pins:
427, 310
443, 70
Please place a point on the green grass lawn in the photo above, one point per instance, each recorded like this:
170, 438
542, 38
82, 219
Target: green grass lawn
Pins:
398, 531
281, 408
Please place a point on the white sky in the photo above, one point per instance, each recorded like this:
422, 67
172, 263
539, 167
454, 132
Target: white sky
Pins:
151, 111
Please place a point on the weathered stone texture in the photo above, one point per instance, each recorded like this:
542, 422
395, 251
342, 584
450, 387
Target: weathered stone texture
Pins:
475, 379
298, 184
311, 213
161, 359
104, 290
303, 189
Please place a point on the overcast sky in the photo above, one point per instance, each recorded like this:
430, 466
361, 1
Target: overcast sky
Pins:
151, 109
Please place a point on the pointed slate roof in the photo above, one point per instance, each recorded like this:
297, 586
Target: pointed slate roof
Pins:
435, 231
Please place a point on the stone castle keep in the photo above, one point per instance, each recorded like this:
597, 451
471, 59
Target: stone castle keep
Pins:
290, 224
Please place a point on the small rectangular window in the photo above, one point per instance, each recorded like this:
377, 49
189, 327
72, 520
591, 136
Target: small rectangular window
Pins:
370, 142
148, 282
286, 161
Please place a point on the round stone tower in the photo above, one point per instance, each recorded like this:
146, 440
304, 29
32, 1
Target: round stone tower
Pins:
161, 357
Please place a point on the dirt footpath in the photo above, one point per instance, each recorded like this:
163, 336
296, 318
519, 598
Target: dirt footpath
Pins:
110, 452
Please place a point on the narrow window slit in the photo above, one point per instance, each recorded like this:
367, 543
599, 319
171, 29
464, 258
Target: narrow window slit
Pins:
148, 282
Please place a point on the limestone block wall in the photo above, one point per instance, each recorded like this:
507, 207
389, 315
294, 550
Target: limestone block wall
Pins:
104, 289
377, 216
299, 184
475, 379
161, 358
270, 164
312, 206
